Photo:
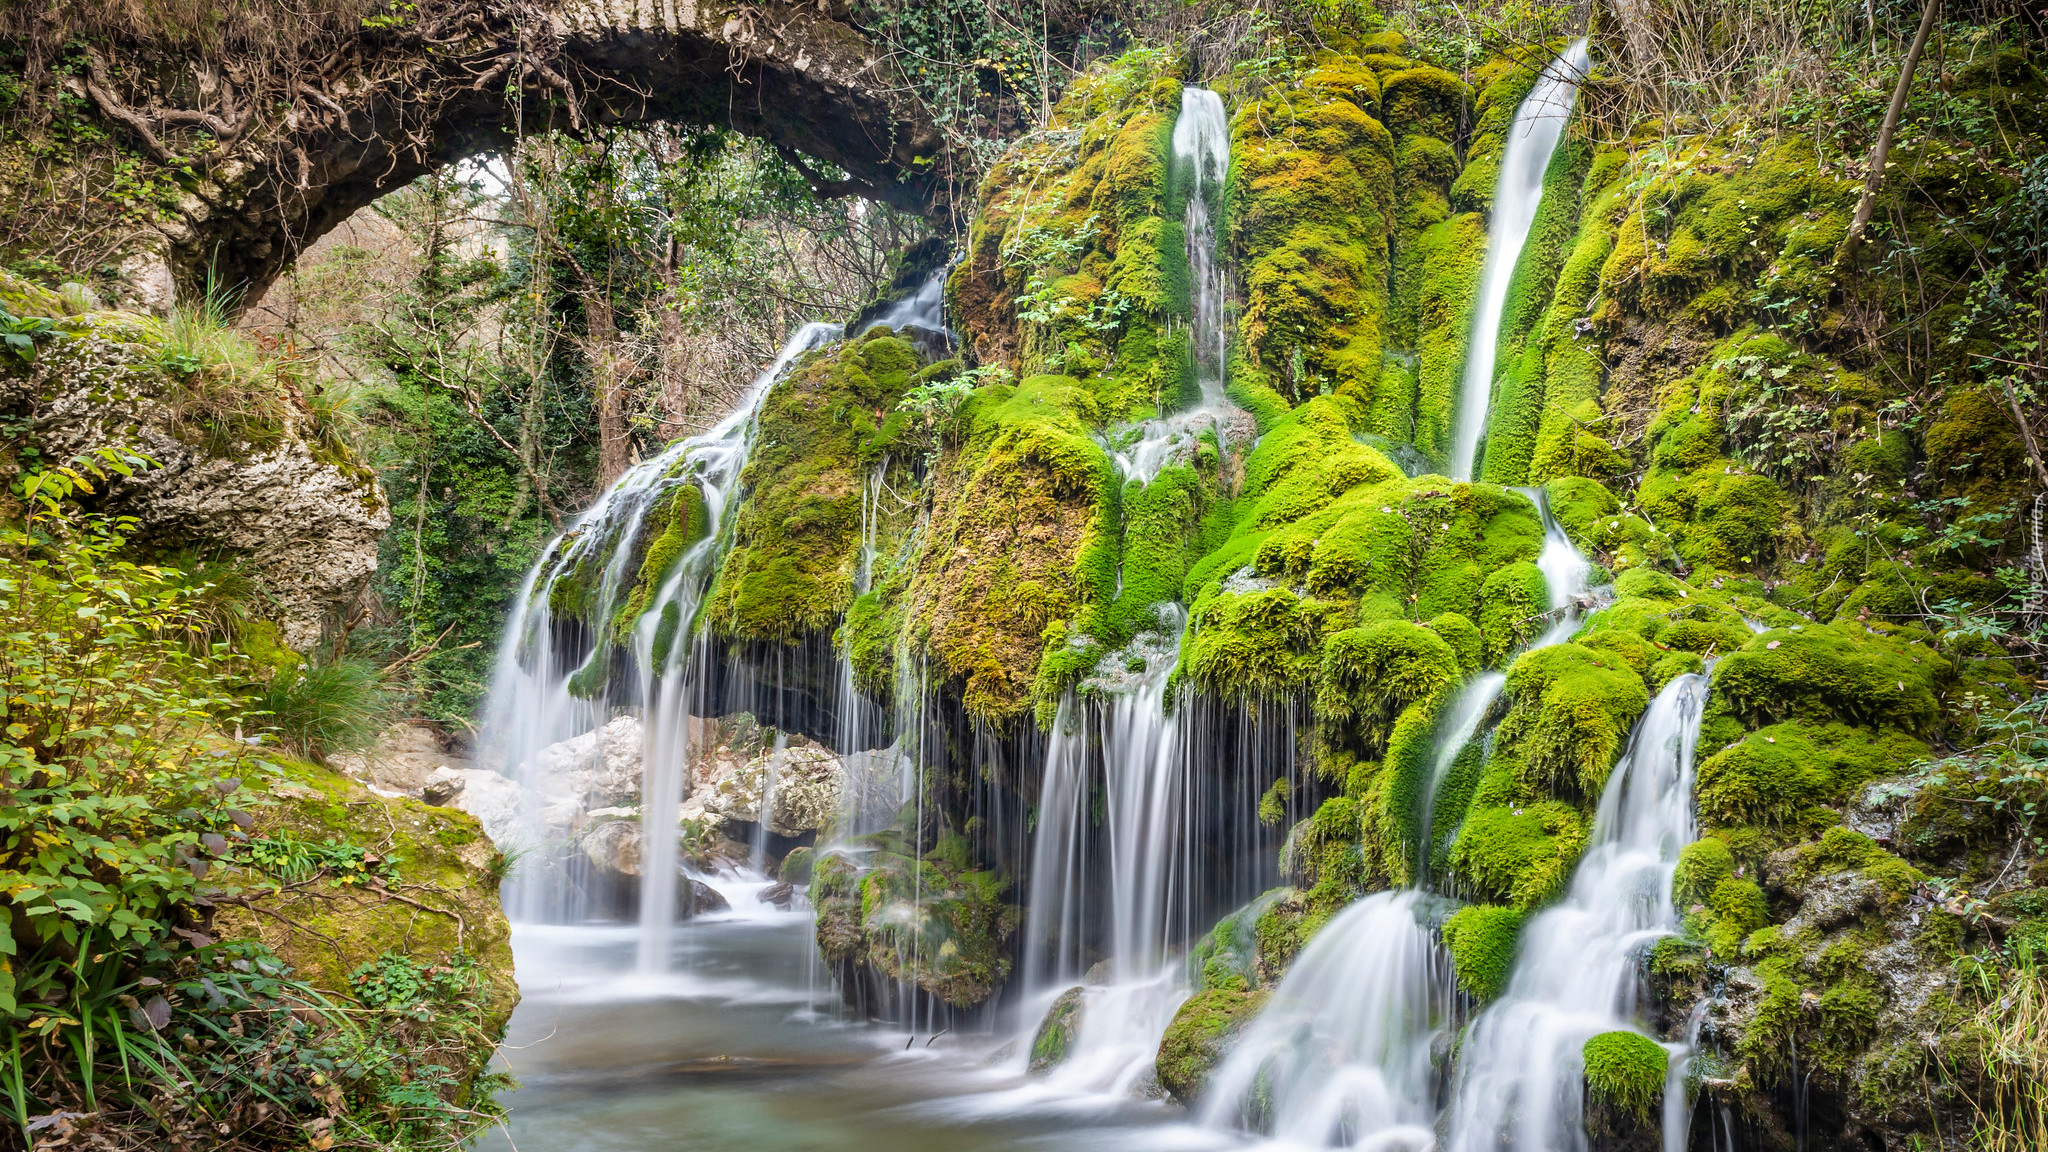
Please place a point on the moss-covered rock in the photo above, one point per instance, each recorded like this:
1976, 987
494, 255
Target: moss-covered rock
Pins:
1625, 1071
443, 903
1056, 1032
798, 535
1200, 1036
1481, 939
937, 922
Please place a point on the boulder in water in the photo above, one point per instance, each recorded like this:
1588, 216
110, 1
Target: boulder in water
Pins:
1055, 1036
696, 898
1203, 1032
779, 894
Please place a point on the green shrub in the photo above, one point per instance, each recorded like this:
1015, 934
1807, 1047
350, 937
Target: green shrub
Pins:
325, 706
125, 825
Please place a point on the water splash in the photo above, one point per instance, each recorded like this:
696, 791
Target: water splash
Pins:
1340, 1056
1576, 976
1532, 137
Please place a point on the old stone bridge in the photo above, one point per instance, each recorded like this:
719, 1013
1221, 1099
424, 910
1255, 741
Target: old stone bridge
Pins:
455, 78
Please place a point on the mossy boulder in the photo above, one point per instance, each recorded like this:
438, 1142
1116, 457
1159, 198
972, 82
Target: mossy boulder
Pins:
444, 903
938, 923
1847, 673
1203, 1030
1625, 1073
1056, 1032
1482, 939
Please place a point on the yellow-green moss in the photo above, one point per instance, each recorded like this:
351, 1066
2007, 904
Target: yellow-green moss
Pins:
1482, 939
1625, 1071
797, 537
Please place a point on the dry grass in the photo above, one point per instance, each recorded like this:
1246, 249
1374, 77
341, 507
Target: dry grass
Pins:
2012, 1112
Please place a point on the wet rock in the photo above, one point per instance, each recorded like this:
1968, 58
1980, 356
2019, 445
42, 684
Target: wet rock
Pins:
696, 898
1055, 1035
1203, 1032
612, 842
779, 894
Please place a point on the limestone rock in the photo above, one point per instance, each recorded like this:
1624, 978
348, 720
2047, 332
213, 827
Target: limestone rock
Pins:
403, 759
306, 516
493, 799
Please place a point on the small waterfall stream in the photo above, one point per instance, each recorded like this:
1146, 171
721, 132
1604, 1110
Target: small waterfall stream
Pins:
1201, 152
1520, 1066
1532, 138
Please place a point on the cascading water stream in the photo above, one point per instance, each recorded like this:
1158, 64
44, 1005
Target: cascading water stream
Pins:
1131, 997
1341, 1054
1533, 136
1576, 975
1201, 155
541, 696
554, 679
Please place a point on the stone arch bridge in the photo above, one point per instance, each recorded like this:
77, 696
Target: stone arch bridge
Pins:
455, 78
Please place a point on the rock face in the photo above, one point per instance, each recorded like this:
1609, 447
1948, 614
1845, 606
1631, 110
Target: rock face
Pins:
404, 758
304, 514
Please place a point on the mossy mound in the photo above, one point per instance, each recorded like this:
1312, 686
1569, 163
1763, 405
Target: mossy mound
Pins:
1312, 191
1078, 260
797, 537
1779, 775
1055, 1035
1481, 939
1848, 673
445, 900
1021, 540
1625, 1071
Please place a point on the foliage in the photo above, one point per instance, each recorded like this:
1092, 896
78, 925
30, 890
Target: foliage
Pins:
126, 1017
324, 706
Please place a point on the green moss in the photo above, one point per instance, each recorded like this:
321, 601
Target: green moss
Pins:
673, 524
1702, 865
797, 537
937, 921
1055, 1035
1573, 708
447, 868
1521, 854
1774, 775
1841, 672
1197, 1039
1841, 850
1625, 1070
1370, 674
1512, 606
1312, 186
1482, 939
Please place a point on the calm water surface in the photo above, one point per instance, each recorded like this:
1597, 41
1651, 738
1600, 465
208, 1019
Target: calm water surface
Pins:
741, 1047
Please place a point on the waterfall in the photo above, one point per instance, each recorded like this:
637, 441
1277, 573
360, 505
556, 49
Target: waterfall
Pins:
1340, 1055
1201, 151
1532, 137
1520, 1067
542, 687
1133, 849
1201, 148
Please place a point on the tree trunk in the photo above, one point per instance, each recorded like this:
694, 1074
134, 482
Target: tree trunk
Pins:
1880, 154
607, 391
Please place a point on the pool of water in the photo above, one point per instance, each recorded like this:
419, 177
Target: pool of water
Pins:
741, 1046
